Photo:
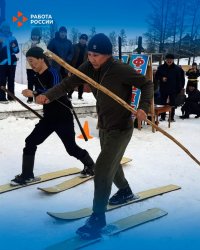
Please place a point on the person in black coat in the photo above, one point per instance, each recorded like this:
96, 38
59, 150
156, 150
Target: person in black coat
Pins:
80, 56
170, 82
192, 103
57, 117
192, 75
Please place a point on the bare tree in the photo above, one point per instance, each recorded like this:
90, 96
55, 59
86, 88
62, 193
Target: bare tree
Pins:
158, 22
181, 26
113, 39
92, 32
194, 12
132, 44
49, 32
74, 35
123, 36
151, 42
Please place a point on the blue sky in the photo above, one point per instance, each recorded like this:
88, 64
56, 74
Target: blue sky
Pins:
105, 15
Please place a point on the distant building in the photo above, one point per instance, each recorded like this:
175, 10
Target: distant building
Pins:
2, 11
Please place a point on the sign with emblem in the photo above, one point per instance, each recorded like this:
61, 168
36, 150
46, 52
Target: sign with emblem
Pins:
124, 58
139, 63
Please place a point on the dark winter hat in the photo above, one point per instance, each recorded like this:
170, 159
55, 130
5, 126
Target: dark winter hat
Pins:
36, 32
169, 56
83, 36
35, 52
100, 43
62, 29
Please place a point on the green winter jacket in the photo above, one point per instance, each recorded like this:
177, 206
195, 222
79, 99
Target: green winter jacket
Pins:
119, 79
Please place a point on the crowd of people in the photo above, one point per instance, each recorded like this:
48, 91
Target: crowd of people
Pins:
170, 79
74, 54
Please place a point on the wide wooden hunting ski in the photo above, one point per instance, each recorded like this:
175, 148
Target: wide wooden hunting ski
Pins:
44, 177
65, 185
111, 229
85, 212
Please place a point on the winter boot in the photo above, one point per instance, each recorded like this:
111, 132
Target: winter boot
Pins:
182, 110
92, 227
27, 175
21, 180
197, 115
30, 100
88, 166
80, 97
122, 196
162, 117
186, 116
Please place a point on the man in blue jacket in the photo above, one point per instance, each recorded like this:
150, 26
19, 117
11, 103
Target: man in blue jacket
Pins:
62, 47
8, 60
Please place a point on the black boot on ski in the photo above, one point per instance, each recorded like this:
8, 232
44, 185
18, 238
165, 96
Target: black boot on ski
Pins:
122, 196
88, 166
27, 175
93, 226
21, 180
186, 116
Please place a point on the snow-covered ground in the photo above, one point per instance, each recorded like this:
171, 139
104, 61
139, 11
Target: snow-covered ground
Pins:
157, 161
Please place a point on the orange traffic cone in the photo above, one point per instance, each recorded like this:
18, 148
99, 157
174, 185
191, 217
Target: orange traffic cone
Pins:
86, 130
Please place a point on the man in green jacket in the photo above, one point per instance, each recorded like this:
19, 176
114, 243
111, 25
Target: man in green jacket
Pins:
114, 121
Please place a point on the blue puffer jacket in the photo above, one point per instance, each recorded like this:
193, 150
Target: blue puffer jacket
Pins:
61, 47
8, 48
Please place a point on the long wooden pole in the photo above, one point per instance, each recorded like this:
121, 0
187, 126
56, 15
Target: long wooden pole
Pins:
115, 97
22, 103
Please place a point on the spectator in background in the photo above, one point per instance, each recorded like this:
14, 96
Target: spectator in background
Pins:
35, 41
63, 48
182, 77
192, 75
170, 82
180, 98
8, 61
156, 89
80, 56
192, 102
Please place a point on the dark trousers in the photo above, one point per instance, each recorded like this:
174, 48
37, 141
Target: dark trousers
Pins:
163, 101
80, 92
7, 76
31, 80
65, 131
191, 108
108, 168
